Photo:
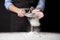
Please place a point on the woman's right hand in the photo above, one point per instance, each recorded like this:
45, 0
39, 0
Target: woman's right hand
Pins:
21, 12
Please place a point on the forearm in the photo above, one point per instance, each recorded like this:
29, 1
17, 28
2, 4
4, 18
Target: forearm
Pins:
13, 8
9, 6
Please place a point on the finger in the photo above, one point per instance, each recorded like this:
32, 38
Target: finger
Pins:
21, 14
40, 14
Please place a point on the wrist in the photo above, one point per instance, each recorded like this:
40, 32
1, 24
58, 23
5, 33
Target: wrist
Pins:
18, 10
39, 9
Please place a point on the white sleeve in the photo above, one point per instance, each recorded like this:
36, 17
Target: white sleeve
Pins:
7, 3
41, 4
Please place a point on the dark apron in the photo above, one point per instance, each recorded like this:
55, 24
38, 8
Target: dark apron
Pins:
20, 24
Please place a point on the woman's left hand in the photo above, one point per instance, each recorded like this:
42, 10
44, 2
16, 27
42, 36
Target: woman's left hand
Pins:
38, 13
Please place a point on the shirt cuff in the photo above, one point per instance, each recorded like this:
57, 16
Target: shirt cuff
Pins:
7, 5
41, 7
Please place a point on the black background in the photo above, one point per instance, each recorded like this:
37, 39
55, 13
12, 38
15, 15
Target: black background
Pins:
50, 22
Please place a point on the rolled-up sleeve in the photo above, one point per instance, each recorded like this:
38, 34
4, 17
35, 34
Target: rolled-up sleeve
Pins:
7, 3
41, 4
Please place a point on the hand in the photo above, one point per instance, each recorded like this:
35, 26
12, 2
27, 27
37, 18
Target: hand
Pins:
38, 13
21, 13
